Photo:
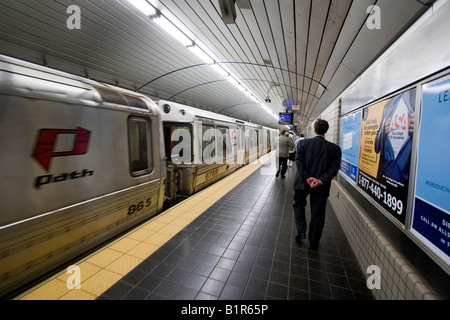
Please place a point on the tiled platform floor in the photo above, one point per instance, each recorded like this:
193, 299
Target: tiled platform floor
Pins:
243, 248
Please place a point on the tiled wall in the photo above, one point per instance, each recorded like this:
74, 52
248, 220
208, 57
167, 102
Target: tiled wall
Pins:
399, 279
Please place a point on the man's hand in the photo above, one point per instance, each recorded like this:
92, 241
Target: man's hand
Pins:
313, 182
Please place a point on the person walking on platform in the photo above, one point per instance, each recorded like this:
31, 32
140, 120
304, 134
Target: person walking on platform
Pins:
291, 150
298, 138
318, 162
284, 143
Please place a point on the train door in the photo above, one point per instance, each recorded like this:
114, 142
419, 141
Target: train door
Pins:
262, 142
240, 147
268, 142
252, 145
178, 142
258, 143
209, 144
225, 145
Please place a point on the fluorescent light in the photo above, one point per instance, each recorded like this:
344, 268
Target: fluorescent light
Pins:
248, 93
178, 31
201, 54
170, 28
143, 6
219, 70
232, 80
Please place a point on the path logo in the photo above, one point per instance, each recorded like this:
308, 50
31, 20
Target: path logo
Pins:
45, 145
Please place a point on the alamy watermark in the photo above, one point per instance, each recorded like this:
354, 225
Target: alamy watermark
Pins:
229, 146
74, 20
74, 280
374, 19
374, 280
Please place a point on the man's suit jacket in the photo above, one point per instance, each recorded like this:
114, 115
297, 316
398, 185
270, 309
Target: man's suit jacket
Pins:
284, 143
317, 158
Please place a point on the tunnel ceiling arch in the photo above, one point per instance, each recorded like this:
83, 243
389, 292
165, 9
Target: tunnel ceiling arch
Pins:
313, 49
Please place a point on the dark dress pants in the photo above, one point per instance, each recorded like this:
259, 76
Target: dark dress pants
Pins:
282, 161
318, 203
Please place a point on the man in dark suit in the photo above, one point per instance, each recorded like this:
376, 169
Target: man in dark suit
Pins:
318, 162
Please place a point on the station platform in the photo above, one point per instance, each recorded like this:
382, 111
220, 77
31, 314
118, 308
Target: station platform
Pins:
232, 241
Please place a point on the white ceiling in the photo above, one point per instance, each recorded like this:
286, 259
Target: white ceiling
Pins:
302, 52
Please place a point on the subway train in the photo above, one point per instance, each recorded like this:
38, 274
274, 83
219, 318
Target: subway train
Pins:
82, 162
202, 147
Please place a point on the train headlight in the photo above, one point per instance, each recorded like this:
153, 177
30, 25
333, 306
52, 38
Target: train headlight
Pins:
166, 108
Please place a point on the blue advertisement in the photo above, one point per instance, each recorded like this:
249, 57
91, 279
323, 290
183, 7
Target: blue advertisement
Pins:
350, 144
431, 215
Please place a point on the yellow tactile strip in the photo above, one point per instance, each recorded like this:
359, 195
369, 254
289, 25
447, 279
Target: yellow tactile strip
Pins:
99, 271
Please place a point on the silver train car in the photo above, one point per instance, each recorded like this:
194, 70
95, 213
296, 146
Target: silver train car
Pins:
202, 147
82, 162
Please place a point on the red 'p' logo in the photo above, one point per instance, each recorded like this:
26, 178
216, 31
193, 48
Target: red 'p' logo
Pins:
46, 143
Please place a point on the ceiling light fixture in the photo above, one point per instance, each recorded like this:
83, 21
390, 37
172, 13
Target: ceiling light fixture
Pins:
173, 30
199, 52
143, 6
179, 32
220, 70
232, 80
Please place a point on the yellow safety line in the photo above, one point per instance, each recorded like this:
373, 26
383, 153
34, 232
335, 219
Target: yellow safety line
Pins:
102, 269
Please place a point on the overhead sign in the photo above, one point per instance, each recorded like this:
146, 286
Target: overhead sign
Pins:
286, 118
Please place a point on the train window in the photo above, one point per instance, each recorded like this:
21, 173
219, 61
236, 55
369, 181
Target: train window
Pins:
139, 142
178, 134
252, 139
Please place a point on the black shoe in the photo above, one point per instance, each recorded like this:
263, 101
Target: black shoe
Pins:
278, 174
301, 236
283, 177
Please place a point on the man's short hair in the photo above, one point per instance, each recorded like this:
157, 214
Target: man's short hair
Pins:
283, 132
321, 126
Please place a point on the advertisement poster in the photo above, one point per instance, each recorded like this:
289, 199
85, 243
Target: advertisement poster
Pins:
385, 153
350, 144
431, 215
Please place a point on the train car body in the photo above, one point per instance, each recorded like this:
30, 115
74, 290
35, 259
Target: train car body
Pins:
202, 147
80, 162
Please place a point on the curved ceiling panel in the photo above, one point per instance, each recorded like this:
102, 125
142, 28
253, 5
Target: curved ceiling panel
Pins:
291, 52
